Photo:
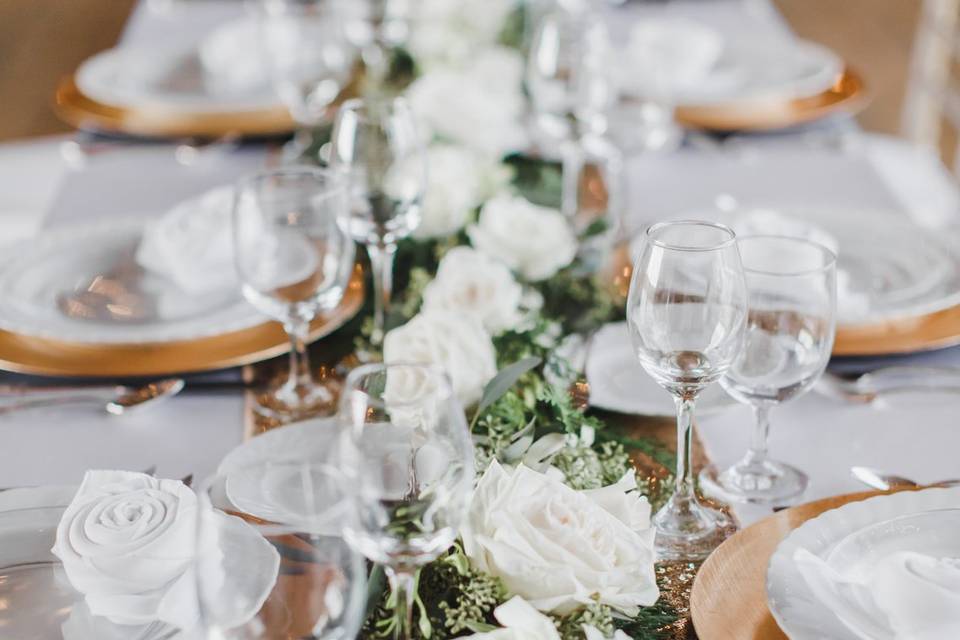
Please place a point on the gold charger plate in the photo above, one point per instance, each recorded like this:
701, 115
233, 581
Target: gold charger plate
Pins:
907, 335
848, 95
28, 354
729, 596
81, 111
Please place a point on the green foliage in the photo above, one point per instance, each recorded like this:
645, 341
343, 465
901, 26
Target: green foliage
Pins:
593, 615
593, 467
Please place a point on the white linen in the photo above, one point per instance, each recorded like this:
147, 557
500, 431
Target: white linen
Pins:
192, 244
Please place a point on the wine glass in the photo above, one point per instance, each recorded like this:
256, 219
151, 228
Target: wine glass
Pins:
792, 285
377, 147
408, 444
310, 60
295, 260
264, 572
686, 311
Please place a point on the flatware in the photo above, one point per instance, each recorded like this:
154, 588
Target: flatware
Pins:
116, 400
886, 481
888, 381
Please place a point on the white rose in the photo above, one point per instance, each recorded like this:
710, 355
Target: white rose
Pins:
458, 181
127, 543
534, 241
592, 633
455, 342
561, 549
475, 284
449, 31
520, 622
479, 105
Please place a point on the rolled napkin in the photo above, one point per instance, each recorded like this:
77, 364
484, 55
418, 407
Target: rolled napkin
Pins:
233, 57
904, 596
127, 543
192, 244
668, 55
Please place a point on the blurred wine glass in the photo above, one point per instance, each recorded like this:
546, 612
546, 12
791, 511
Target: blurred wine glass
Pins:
408, 443
792, 285
264, 572
377, 148
310, 60
295, 260
686, 313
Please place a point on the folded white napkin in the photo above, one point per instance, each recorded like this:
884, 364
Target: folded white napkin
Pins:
851, 304
192, 244
667, 55
904, 596
233, 58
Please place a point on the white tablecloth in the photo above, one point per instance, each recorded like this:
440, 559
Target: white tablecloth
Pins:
190, 433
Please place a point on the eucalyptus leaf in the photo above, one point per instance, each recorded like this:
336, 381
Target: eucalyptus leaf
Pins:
501, 383
376, 585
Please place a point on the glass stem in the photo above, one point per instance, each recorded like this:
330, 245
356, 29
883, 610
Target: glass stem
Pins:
381, 261
298, 328
683, 491
761, 431
403, 586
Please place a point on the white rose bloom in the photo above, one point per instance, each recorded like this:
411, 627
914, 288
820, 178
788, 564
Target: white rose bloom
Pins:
520, 622
455, 342
561, 549
127, 543
458, 181
534, 241
448, 31
475, 284
479, 105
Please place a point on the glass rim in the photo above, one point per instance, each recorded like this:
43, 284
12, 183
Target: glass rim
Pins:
732, 239
829, 257
361, 106
349, 387
334, 178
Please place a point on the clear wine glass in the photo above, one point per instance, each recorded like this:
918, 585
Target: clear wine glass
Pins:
792, 285
377, 147
295, 260
409, 446
310, 60
264, 572
686, 311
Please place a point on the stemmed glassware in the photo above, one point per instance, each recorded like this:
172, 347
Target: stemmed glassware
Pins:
686, 312
377, 148
295, 259
309, 58
264, 572
407, 443
792, 286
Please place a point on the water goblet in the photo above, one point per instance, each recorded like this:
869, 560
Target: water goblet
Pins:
270, 558
377, 148
792, 288
295, 259
686, 312
409, 447
310, 60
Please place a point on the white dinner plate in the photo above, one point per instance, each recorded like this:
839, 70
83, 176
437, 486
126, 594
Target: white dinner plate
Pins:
888, 266
32, 278
618, 382
167, 78
800, 613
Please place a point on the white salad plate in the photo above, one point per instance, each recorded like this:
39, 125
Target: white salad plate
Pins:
618, 382
39, 271
847, 537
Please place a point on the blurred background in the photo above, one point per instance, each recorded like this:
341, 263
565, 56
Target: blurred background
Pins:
874, 36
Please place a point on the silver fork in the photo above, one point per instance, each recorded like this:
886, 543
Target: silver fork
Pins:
888, 381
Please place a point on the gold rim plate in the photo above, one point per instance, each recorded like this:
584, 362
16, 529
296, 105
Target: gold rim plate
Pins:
847, 95
906, 335
28, 354
729, 596
81, 111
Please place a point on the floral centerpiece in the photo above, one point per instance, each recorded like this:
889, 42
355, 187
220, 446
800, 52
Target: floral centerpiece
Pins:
558, 541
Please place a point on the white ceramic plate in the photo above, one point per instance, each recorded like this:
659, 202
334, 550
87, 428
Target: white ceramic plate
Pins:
796, 609
171, 79
62, 260
891, 267
619, 383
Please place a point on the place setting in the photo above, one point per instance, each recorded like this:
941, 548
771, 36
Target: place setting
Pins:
491, 320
